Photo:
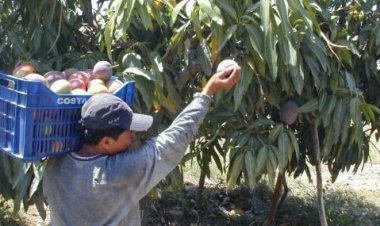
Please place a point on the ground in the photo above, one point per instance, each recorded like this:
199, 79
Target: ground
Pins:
352, 200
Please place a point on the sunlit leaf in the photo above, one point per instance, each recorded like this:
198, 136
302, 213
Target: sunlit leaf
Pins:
176, 11
212, 11
243, 84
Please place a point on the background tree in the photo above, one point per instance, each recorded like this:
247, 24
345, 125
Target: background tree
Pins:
307, 94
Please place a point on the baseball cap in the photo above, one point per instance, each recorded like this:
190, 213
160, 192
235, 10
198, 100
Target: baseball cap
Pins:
106, 111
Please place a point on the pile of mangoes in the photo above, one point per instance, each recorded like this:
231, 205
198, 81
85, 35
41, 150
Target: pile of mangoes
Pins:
99, 79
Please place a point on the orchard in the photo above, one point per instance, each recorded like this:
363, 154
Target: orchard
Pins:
308, 95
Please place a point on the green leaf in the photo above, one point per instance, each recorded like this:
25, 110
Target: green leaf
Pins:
312, 64
285, 34
259, 123
38, 170
318, 49
273, 157
256, 38
322, 100
176, 179
332, 104
21, 172
217, 160
21, 191
338, 119
144, 87
6, 167
131, 60
39, 201
236, 168
350, 81
310, 106
242, 141
327, 142
283, 144
270, 52
212, 11
145, 18
123, 18
242, 86
261, 160
230, 31
230, 10
275, 132
271, 175
108, 36
146, 74
176, 11
297, 75
367, 111
204, 54
288, 50
283, 10
354, 108
297, 6
264, 15
295, 145
250, 163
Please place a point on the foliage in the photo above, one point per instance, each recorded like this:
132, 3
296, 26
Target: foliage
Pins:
320, 54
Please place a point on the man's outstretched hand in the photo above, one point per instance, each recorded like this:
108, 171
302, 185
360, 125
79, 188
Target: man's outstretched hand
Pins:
222, 80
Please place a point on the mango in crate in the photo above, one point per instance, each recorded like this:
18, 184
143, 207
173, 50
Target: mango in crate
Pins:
57, 146
52, 76
81, 75
113, 84
23, 69
36, 78
61, 86
102, 70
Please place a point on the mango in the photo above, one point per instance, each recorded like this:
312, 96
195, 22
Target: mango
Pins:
61, 86
289, 112
224, 64
96, 81
79, 91
23, 69
77, 83
69, 71
102, 70
82, 75
52, 76
37, 78
97, 88
113, 84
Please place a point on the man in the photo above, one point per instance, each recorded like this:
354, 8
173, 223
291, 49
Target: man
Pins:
103, 182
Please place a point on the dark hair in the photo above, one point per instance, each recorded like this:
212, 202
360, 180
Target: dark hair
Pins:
93, 136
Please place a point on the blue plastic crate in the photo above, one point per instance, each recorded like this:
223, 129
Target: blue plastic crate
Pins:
36, 123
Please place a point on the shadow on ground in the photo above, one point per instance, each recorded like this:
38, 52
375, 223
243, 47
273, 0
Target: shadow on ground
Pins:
244, 207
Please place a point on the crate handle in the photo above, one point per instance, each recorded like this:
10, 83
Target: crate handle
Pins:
6, 82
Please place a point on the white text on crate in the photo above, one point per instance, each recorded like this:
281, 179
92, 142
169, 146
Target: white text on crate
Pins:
71, 100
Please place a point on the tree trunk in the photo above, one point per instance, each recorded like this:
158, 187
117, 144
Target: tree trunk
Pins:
276, 198
317, 156
201, 186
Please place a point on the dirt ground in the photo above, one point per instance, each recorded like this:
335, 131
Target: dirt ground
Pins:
234, 208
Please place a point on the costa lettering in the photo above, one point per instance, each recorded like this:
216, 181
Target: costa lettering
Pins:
71, 100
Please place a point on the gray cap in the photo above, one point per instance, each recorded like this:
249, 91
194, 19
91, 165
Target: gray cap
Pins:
106, 111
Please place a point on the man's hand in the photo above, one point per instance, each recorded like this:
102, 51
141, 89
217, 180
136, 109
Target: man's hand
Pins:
222, 80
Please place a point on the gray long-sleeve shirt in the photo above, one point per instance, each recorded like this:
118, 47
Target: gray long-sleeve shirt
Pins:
106, 190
